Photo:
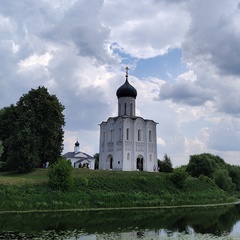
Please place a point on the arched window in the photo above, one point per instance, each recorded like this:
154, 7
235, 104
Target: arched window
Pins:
139, 135
150, 157
127, 133
131, 109
150, 135
128, 156
125, 109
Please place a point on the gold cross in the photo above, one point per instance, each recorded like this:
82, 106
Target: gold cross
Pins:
126, 71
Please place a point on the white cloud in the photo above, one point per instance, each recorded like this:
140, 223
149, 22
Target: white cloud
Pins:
186, 92
147, 28
36, 60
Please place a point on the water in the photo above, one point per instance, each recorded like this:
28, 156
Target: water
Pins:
221, 222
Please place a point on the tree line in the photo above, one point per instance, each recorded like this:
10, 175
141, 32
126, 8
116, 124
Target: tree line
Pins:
205, 166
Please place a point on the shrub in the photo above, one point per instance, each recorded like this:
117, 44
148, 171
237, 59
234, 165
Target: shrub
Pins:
223, 181
178, 177
60, 175
207, 180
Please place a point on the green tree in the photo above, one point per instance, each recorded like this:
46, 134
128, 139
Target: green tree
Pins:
206, 164
8, 127
96, 156
32, 131
223, 180
200, 164
234, 174
2, 164
60, 175
22, 152
165, 165
1, 149
43, 113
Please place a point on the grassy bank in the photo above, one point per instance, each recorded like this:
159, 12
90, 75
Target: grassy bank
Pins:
104, 189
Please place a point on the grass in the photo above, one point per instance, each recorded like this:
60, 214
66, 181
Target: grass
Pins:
104, 189
38, 176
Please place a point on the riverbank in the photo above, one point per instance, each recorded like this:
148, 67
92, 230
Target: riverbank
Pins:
105, 189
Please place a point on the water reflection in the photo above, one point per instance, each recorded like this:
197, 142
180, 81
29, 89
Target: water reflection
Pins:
123, 224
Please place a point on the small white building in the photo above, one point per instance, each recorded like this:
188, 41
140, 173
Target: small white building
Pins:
128, 142
80, 159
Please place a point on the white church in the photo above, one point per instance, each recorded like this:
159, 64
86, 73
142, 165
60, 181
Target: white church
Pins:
128, 142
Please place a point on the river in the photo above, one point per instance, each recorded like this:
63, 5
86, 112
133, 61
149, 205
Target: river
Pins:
219, 222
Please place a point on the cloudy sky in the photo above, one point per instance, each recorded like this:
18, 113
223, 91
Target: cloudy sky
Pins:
183, 56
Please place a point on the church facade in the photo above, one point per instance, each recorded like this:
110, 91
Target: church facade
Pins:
80, 159
128, 142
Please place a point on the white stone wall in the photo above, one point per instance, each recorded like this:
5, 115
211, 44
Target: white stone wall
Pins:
125, 146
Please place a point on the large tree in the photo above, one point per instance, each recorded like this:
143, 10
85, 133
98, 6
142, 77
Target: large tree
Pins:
32, 131
206, 164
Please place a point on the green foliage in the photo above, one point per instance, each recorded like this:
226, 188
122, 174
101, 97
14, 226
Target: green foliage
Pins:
178, 177
165, 165
43, 113
205, 164
234, 173
223, 181
32, 131
8, 127
1, 149
2, 166
207, 180
225, 176
60, 175
22, 155
96, 156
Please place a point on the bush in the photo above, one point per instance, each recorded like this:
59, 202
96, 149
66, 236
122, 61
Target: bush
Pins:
207, 180
60, 175
223, 181
178, 177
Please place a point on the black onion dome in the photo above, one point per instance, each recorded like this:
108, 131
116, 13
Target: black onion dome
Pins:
126, 90
77, 144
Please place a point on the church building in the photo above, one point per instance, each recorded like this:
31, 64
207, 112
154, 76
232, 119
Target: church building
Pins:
80, 159
128, 142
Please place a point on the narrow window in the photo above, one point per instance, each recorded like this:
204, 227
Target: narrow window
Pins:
125, 109
127, 133
131, 109
139, 135
150, 136
128, 156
